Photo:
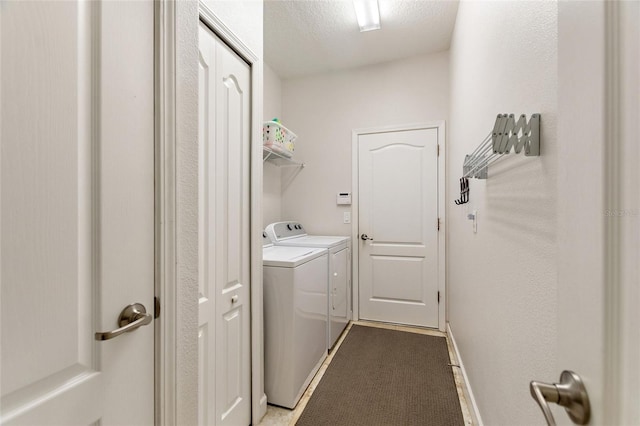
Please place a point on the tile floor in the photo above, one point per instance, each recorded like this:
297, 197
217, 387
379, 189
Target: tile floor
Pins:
277, 416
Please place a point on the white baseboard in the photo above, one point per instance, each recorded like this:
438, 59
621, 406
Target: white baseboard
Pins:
467, 384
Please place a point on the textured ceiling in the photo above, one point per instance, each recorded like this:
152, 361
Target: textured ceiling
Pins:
306, 37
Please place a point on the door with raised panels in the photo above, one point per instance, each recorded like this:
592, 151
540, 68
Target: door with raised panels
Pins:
224, 135
398, 213
77, 212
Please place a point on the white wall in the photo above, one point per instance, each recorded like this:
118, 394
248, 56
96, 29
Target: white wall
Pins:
324, 109
502, 280
186, 215
271, 187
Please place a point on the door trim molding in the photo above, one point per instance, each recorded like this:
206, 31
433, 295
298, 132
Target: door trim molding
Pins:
225, 34
621, 295
442, 279
166, 368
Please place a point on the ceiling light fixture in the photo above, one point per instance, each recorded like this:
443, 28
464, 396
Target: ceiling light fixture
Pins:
368, 14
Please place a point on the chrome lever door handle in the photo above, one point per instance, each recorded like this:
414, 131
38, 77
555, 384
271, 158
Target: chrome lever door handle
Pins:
365, 237
570, 393
544, 393
131, 317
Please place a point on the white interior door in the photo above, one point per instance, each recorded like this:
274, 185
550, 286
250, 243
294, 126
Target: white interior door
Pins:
225, 353
398, 212
599, 214
77, 215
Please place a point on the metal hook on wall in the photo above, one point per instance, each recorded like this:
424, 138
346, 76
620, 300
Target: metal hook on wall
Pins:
464, 191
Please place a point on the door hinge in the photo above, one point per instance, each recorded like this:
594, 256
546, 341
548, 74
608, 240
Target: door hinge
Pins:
156, 307
438, 297
438, 224
438, 150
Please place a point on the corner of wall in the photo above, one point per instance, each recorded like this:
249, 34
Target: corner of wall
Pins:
272, 174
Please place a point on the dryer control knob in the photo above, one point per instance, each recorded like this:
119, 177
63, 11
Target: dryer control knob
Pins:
289, 226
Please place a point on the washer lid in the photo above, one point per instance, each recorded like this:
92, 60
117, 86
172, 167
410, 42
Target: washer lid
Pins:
314, 241
290, 257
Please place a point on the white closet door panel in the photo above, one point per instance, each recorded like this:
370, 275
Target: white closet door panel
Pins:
233, 368
206, 223
224, 135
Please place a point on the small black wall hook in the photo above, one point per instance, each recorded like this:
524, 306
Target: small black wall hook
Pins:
464, 191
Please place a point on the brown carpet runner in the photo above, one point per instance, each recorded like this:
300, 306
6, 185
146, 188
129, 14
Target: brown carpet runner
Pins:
386, 377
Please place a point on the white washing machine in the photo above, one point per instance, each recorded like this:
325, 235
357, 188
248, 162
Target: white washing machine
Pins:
339, 283
295, 319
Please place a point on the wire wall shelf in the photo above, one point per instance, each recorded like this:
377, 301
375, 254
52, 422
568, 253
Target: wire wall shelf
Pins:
279, 159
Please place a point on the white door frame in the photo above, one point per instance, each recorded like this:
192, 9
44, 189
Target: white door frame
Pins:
624, 45
167, 368
440, 127
622, 214
176, 282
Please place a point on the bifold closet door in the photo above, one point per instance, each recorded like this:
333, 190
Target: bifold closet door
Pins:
224, 308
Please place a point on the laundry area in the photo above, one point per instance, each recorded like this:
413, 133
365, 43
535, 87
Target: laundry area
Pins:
315, 98
331, 212
432, 145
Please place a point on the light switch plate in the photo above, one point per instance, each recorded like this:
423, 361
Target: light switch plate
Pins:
347, 217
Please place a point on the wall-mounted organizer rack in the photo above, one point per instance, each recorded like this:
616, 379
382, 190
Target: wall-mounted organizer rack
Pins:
507, 135
279, 159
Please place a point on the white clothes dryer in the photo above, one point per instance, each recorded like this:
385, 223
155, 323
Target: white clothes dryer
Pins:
295, 319
292, 233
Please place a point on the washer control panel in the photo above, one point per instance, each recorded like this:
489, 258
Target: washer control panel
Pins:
266, 240
284, 230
